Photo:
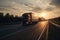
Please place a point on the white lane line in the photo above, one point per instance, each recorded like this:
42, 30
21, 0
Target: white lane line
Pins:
54, 24
41, 33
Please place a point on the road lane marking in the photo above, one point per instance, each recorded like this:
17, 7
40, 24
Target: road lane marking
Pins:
54, 24
42, 32
16, 32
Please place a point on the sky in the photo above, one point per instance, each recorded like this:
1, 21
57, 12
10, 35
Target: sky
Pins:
18, 7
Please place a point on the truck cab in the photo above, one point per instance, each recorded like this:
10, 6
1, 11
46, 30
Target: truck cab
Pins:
26, 18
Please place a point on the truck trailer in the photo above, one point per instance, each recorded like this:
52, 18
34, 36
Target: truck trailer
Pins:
27, 18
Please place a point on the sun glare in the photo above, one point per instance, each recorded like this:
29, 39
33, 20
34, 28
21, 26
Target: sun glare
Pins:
43, 14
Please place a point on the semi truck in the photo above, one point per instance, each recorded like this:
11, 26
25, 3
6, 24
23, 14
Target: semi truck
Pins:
27, 18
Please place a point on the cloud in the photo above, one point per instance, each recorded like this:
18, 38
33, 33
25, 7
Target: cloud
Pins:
36, 9
21, 6
3, 9
9, 4
17, 4
50, 8
55, 2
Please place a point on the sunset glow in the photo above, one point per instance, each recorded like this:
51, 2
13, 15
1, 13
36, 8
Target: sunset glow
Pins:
43, 14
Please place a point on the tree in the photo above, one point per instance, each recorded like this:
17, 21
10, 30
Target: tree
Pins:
11, 17
7, 15
1, 14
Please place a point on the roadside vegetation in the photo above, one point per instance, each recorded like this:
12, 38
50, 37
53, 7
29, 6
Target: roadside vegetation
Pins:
9, 19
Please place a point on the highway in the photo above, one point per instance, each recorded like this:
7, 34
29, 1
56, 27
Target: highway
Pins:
37, 31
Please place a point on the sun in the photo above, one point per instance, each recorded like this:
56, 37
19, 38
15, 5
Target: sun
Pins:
43, 14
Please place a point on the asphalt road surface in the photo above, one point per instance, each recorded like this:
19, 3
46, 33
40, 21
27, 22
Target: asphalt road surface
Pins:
37, 31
